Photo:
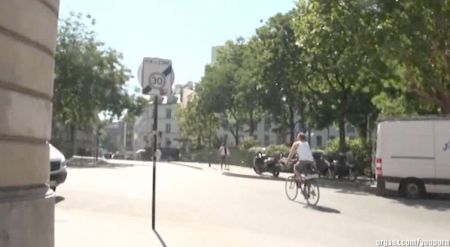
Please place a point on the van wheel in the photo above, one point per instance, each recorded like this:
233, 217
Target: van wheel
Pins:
412, 189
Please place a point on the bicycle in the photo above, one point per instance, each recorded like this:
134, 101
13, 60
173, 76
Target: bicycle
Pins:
308, 185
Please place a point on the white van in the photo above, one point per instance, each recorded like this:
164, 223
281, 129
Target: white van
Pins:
413, 156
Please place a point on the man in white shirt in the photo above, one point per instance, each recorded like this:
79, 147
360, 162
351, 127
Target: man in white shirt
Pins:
305, 157
224, 153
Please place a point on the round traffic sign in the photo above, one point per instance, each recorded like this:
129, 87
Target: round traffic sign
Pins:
157, 80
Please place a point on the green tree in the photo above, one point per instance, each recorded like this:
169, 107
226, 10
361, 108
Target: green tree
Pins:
195, 124
227, 89
247, 86
336, 36
414, 34
281, 72
90, 78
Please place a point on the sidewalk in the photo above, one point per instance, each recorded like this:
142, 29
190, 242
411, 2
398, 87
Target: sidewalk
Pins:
362, 184
75, 228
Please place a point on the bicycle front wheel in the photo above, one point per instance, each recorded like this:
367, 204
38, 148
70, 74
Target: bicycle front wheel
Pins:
291, 188
312, 192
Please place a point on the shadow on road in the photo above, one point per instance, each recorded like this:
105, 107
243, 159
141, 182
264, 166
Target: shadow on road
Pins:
160, 238
321, 208
99, 165
185, 165
263, 177
432, 202
326, 209
353, 188
59, 199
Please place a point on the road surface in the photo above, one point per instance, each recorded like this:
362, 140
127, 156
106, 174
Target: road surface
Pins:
201, 206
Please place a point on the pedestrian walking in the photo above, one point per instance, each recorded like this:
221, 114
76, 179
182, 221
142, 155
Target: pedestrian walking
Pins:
224, 153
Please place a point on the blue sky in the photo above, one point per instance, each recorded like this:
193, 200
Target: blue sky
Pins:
183, 31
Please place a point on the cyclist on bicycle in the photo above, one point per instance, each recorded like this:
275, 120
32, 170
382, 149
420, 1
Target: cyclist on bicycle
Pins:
305, 158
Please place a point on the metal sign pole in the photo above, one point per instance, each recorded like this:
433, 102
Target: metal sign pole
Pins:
155, 143
156, 77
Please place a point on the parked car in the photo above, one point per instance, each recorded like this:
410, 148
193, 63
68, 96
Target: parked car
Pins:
58, 171
413, 156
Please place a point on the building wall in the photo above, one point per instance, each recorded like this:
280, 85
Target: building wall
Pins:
27, 47
214, 50
112, 139
266, 136
144, 125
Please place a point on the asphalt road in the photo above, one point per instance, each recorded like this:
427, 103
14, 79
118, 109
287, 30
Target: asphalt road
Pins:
111, 206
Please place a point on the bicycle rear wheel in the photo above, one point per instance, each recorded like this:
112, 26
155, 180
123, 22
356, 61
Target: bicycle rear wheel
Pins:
291, 188
312, 192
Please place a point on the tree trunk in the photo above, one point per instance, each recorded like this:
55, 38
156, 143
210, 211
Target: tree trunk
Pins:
236, 132
302, 113
73, 140
342, 142
362, 131
309, 134
341, 123
199, 139
291, 125
236, 137
252, 124
446, 107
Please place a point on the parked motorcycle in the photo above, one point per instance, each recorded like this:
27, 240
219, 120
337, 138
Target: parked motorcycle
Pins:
341, 168
263, 163
323, 166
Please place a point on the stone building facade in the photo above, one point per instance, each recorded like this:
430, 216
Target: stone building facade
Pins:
28, 30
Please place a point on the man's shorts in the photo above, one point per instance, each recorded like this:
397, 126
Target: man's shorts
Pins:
305, 167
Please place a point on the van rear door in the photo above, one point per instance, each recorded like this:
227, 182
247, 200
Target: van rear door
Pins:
409, 149
442, 153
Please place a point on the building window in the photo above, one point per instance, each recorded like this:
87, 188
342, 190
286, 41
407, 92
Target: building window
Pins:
332, 137
267, 125
168, 142
319, 141
169, 113
168, 128
266, 140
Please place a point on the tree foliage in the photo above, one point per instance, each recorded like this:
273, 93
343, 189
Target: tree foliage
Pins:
336, 37
415, 35
197, 125
335, 62
90, 77
281, 70
228, 89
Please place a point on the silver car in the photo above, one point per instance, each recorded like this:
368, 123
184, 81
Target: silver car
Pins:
58, 171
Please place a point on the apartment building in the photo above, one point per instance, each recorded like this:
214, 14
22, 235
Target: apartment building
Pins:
168, 130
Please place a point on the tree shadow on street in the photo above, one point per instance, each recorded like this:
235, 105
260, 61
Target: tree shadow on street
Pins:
431, 202
59, 199
99, 165
186, 165
261, 177
320, 208
349, 188
160, 238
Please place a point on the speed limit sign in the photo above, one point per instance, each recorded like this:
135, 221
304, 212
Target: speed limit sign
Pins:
156, 76
157, 80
